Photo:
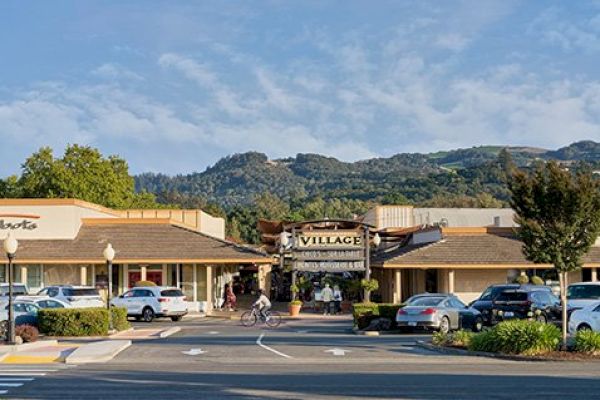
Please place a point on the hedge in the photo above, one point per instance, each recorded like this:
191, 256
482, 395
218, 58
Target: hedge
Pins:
80, 321
364, 313
518, 337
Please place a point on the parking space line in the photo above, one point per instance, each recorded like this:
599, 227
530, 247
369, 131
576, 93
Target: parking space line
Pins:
259, 342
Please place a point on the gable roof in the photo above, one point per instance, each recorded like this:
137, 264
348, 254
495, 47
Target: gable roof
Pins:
493, 250
137, 243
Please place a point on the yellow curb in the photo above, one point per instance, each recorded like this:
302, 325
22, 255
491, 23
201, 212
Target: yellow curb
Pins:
19, 359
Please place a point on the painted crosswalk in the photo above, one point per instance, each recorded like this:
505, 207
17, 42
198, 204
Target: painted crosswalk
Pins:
16, 376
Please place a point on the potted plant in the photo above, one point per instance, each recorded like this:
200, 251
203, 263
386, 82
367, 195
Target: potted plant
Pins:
295, 305
294, 308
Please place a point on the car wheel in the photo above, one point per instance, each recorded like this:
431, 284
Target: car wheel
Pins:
584, 327
445, 325
148, 314
478, 324
176, 318
541, 318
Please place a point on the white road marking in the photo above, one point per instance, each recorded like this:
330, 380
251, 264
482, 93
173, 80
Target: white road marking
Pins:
194, 352
16, 379
212, 333
259, 342
3, 391
11, 384
337, 352
24, 373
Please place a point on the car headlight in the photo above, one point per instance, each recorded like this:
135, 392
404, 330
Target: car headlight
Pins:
500, 313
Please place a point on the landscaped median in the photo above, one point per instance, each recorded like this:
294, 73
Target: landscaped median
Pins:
81, 321
527, 340
375, 316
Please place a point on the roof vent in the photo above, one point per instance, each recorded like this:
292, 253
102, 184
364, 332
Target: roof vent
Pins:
497, 222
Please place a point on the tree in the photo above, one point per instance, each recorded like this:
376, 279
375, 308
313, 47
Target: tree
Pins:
82, 173
559, 217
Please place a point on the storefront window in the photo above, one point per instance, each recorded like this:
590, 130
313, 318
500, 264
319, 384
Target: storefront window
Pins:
34, 276
3, 273
62, 275
187, 281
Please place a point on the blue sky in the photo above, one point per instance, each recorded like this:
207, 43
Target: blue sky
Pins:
172, 86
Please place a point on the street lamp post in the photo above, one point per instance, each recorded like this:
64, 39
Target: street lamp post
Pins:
10, 247
109, 256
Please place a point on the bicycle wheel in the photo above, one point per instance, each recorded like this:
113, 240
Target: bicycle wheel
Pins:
248, 318
274, 319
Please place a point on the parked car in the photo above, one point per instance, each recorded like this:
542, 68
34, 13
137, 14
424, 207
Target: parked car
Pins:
147, 303
25, 312
586, 318
438, 311
50, 303
581, 295
76, 296
484, 303
19, 289
539, 305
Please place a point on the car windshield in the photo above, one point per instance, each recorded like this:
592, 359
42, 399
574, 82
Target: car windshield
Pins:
425, 301
17, 290
512, 296
71, 292
575, 292
171, 293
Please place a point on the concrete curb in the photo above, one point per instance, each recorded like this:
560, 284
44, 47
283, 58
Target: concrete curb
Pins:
97, 352
28, 346
169, 332
367, 333
461, 352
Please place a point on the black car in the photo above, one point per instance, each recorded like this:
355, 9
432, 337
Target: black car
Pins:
538, 305
484, 303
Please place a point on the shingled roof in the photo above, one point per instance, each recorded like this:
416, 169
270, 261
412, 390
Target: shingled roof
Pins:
486, 249
137, 243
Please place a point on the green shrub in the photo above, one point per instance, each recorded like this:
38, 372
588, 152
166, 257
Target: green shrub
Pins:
522, 279
587, 342
119, 318
518, 337
27, 332
456, 339
364, 313
73, 321
144, 284
536, 280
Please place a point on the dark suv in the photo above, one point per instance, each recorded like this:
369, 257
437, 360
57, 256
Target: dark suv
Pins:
536, 305
484, 303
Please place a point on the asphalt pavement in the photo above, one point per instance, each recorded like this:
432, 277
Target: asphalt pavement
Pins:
306, 359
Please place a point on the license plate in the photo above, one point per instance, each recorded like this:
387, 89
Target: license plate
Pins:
509, 314
412, 324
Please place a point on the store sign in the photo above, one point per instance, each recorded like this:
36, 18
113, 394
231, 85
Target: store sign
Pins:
18, 221
330, 239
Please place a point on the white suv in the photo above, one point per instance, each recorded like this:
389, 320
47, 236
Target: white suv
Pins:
75, 296
147, 303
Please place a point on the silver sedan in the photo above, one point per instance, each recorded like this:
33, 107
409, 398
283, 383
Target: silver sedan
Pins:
438, 311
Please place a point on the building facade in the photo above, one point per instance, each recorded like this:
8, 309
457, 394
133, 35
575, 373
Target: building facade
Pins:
61, 242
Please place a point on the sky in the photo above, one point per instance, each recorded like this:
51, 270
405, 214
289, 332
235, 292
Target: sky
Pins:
173, 86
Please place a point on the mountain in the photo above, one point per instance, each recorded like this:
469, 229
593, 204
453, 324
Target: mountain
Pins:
418, 178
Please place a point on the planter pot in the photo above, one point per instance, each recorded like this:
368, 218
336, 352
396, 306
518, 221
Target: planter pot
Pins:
346, 306
294, 309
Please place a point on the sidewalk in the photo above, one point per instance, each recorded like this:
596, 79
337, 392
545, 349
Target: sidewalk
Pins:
41, 352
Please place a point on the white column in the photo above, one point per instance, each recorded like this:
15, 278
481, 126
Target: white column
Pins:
397, 286
24, 274
178, 275
125, 277
83, 275
594, 274
143, 273
93, 272
164, 274
195, 282
451, 281
209, 288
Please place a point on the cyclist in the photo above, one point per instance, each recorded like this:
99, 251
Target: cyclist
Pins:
263, 304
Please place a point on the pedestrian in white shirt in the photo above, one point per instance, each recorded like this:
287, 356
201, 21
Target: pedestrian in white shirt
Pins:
327, 297
263, 304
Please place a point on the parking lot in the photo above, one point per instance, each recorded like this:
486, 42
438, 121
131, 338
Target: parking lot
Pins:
320, 359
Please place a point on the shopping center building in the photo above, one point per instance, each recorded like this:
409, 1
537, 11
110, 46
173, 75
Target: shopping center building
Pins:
61, 243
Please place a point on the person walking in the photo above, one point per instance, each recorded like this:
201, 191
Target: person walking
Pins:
230, 298
337, 299
327, 297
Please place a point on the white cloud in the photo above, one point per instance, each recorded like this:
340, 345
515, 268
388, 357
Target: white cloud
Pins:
112, 71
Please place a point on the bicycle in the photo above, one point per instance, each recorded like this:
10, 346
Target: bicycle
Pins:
251, 318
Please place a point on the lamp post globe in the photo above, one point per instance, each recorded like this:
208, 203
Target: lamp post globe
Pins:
284, 240
109, 253
10, 247
376, 240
